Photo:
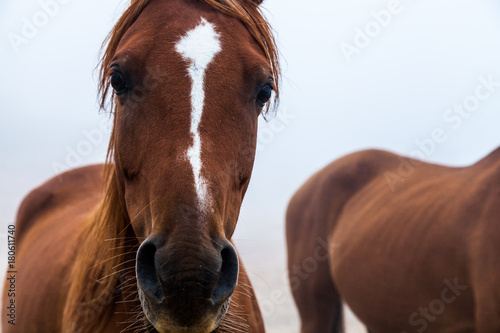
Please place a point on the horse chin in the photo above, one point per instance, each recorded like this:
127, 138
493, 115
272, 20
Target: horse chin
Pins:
158, 323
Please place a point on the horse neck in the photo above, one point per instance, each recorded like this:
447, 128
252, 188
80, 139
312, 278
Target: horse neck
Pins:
491, 161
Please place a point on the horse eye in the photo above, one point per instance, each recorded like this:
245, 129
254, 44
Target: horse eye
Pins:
118, 82
264, 95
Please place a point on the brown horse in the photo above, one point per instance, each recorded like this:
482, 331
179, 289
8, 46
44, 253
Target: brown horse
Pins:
142, 244
409, 246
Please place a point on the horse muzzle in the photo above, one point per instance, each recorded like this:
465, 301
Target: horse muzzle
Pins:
186, 286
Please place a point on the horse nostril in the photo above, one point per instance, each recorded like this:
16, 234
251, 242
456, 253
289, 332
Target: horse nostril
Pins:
146, 271
228, 277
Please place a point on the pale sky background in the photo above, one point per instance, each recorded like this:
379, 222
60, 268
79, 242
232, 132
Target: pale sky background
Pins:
391, 95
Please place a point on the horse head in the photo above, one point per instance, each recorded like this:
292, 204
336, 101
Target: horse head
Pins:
189, 79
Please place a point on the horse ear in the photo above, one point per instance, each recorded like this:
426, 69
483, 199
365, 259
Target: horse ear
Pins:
258, 2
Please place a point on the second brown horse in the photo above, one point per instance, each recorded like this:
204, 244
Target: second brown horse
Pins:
409, 246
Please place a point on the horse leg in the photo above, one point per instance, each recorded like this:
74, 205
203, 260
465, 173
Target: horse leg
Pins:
317, 299
315, 294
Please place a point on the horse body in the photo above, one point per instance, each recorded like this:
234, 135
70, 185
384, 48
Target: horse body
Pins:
413, 255
143, 243
48, 223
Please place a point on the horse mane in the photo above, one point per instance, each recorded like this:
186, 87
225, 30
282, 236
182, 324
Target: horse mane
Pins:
94, 277
102, 244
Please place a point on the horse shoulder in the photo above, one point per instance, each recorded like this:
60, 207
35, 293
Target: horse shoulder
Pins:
56, 192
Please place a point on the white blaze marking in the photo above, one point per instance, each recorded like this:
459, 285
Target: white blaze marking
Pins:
198, 47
